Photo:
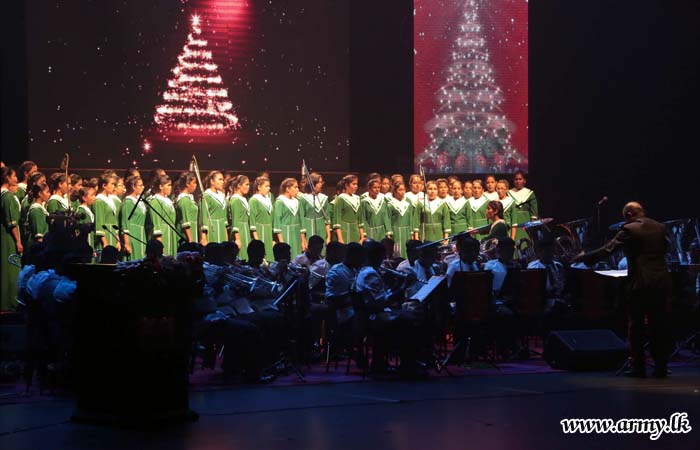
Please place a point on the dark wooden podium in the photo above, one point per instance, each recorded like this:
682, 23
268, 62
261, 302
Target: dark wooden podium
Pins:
131, 350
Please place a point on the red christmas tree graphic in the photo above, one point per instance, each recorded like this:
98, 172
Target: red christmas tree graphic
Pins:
195, 101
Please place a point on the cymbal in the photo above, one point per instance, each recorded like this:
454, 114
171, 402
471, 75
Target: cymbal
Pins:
534, 223
576, 222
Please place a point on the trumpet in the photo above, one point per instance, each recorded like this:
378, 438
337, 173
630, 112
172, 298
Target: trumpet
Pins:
255, 285
15, 259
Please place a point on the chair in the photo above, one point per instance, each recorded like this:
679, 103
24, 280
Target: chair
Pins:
472, 294
529, 287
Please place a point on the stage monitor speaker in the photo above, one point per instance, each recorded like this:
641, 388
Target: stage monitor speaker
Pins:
584, 350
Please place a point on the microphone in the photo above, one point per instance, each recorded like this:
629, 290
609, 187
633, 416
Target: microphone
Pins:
602, 200
104, 227
116, 227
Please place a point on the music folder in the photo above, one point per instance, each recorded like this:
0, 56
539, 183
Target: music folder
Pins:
424, 292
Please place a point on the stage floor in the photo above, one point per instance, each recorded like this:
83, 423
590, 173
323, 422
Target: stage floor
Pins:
488, 412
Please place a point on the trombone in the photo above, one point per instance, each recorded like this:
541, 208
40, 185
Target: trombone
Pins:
255, 285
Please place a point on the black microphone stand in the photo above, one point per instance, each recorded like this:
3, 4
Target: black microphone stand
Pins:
314, 195
182, 237
130, 236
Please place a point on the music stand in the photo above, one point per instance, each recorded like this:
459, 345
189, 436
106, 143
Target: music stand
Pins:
472, 292
285, 361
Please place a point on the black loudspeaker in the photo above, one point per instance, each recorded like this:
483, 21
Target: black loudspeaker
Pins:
584, 350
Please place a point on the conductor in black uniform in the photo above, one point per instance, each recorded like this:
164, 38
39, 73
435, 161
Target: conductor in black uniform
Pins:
643, 240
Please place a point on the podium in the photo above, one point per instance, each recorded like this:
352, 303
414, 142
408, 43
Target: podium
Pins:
131, 350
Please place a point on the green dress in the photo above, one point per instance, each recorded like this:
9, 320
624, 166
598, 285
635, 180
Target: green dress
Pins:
24, 220
214, 222
286, 220
403, 217
261, 222
524, 209
459, 213
162, 225
187, 213
476, 212
88, 217
315, 219
507, 209
117, 202
38, 225
435, 220
21, 192
239, 218
57, 204
375, 217
105, 214
10, 208
346, 217
135, 227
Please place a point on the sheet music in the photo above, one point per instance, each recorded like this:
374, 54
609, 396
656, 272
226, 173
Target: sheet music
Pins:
427, 289
612, 273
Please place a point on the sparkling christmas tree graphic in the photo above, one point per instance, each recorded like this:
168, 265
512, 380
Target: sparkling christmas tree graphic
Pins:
195, 101
469, 132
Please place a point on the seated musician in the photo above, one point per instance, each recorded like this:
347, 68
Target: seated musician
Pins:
340, 280
556, 274
217, 320
468, 249
424, 267
412, 255
283, 255
500, 266
392, 327
499, 228
389, 260
335, 253
312, 254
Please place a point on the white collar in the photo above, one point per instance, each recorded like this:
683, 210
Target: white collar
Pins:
62, 200
490, 195
456, 205
265, 200
321, 200
141, 204
185, 194
115, 197
506, 202
218, 196
243, 200
400, 205
291, 203
477, 203
88, 211
375, 203
39, 205
109, 202
520, 196
165, 200
22, 185
434, 205
352, 200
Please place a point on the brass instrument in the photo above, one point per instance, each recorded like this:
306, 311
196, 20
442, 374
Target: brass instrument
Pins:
402, 276
488, 249
298, 270
256, 285
525, 249
15, 260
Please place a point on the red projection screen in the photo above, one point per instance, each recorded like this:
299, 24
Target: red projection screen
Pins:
470, 86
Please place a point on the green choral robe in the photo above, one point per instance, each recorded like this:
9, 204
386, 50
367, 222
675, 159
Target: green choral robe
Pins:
38, 224
10, 209
213, 216
435, 218
346, 217
459, 213
403, 217
105, 214
477, 212
187, 215
315, 217
239, 218
287, 221
56, 204
87, 217
375, 217
135, 227
524, 208
162, 225
261, 222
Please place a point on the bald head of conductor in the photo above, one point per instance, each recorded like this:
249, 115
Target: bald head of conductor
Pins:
633, 211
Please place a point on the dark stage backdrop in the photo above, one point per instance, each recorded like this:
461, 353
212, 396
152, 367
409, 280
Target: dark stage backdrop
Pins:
275, 83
